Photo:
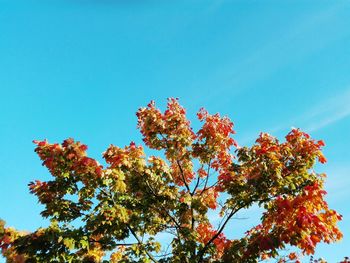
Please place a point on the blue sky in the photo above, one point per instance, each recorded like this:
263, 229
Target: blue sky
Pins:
81, 68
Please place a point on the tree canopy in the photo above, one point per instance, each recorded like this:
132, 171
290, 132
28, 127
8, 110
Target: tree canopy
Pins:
117, 211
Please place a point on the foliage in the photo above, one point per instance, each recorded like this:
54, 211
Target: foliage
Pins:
117, 212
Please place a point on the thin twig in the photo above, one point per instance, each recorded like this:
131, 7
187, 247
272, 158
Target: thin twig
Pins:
140, 243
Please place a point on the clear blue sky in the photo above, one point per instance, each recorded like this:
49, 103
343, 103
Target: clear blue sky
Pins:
81, 68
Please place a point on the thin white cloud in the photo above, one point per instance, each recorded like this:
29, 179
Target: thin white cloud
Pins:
338, 183
329, 112
322, 115
326, 113
298, 39
328, 121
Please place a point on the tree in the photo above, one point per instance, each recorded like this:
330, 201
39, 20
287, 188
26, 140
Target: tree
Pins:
116, 212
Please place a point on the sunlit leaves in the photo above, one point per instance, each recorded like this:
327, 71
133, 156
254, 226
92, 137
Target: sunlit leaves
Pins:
117, 211
205, 232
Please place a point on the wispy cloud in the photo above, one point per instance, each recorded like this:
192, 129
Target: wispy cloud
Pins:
337, 184
329, 112
326, 113
237, 76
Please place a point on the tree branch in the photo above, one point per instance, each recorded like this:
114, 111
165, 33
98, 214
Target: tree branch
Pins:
140, 243
206, 246
132, 231
157, 196
206, 179
183, 176
197, 183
